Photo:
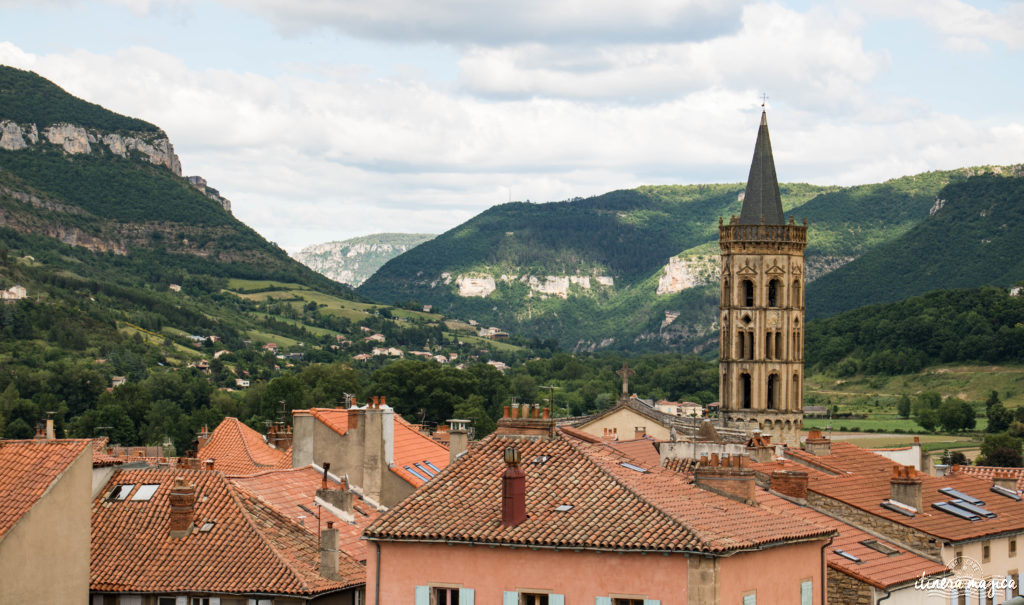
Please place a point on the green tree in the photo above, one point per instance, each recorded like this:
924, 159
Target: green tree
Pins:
999, 418
928, 419
18, 429
1001, 449
903, 406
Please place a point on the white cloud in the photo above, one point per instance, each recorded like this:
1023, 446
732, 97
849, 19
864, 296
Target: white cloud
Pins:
962, 26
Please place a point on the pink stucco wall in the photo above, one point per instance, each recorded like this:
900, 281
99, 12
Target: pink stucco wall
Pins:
580, 576
776, 578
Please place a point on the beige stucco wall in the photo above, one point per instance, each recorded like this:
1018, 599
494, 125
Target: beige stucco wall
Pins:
44, 558
625, 421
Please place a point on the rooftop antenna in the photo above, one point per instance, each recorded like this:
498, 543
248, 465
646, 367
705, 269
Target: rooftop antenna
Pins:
551, 396
97, 429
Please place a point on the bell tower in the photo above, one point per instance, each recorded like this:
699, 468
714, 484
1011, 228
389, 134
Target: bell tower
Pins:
761, 357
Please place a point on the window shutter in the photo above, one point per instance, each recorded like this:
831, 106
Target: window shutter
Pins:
556, 599
806, 598
603, 601
422, 595
510, 598
652, 602
750, 599
180, 600
214, 600
466, 596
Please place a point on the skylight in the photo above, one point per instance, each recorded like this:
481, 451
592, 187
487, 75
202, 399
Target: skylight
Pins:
1009, 493
425, 471
121, 492
952, 493
427, 462
145, 492
956, 511
633, 467
207, 526
972, 508
417, 475
885, 549
844, 554
564, 508
899, 507
541, 459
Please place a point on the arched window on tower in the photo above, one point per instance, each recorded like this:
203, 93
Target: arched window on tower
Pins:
795, 392
773, 293
778, 345
773, 392
795, 301
748, 293
726, 293
745, 390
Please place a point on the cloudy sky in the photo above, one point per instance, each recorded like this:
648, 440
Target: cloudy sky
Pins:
326, 119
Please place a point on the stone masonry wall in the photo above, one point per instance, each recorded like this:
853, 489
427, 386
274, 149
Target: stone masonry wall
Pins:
847, 590
901, 534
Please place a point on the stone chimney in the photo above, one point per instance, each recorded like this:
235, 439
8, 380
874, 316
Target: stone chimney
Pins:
458, 438
789, 483
50, 434
726, 476
905, 486
535, 425
760, 448
183, 501
1005, 480
513, 490
818, 444
329, 552
378, 447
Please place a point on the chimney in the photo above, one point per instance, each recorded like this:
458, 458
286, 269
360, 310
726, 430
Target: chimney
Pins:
183, 500
818, 444
338, 501
639, 432
458, 438
725, 476
202, 437
208, 463
905, 486
1005, 480
759, 448
538, 425
789, 483
329, 552
513, 490
50, 435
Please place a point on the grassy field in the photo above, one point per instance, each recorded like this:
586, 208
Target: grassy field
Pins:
282, 342
249, 285
971, 383
928, 442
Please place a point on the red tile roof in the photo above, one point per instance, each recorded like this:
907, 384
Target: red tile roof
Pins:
412, 446
613, 507
335, 418
989, 472
640, 450
28, 467
238, 450
251, 548
288, 491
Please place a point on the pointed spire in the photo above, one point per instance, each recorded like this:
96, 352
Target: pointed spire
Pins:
762, 200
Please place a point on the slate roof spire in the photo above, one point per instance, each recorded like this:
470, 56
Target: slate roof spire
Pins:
762, 199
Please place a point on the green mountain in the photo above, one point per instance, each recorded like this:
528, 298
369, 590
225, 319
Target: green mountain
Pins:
353, 260
973, 236
633, 269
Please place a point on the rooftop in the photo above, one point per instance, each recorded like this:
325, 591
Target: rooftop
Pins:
239, 450
28, 468
238, 544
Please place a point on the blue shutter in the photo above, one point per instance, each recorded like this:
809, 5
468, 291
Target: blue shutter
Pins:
652, 602
465, 596
603, 601
422, 595
556, 599
750, 599
510, 598
806, 598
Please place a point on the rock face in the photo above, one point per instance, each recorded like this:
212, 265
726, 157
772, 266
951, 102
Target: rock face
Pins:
475, 285
481, 284
353, 261
684, 273
155, 148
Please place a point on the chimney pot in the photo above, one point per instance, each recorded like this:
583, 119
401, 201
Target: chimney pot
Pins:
515, 410
330, 525
507, 411
545, 413
209, 464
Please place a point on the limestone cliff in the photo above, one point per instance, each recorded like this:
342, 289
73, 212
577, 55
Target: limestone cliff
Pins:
353, 261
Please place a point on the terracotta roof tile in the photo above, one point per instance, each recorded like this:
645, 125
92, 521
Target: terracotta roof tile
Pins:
239, 450
250, 547
989, 472
613, 507
292, 492
27, 470
411, 447
640, 450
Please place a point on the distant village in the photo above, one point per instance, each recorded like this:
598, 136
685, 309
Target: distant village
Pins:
649, 502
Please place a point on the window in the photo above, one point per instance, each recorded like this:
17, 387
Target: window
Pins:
879, 547
773, 391
1013, 547
443, 595
145, 492
748, 293
806, 595
773, 293
133, 599
120, 492
201, 601
795, 302
750, 598
529, 598
745, 385
627, 602
261, 602
986, 552
167, 601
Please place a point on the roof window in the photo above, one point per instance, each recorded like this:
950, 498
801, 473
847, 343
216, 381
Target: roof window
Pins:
1009, 493
846, 555
207, 526
541, 459
415, 474
120, 492
972, 508
425, 471
564, 508
899, 507
885, 549
956, 511
427, 462
952, 493
633, 467
145, 492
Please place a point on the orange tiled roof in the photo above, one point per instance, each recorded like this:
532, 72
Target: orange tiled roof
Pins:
28, 467
411, 447
239, 450
251, 548
335, 418
640, 450
876, 568
613, 507
292, 492
988, 472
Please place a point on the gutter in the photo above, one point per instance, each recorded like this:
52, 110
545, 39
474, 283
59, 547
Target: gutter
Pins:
824, 572
376, 582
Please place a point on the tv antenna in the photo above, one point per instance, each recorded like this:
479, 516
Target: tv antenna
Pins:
551, 396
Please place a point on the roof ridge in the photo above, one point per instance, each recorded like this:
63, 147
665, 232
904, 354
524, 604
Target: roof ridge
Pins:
408, 425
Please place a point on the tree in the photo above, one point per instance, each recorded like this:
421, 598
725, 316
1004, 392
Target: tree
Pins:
1001, 450
951, 458
999, 418
18, 429
903, 407
928, 419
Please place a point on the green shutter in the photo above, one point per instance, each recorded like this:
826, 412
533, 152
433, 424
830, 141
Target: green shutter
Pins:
510, 598
465, 596
422, 595
750, 599
806, 598
603, 601
652, 602
556, 599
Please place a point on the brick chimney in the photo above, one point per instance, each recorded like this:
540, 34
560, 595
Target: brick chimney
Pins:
818, 444
639, 432
789, 483
1005, 480
329, 552
458, 438
760, 448
513, 490
726, 476
183, 501
905, 486
538, 425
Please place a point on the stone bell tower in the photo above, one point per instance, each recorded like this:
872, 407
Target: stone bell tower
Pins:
761, 357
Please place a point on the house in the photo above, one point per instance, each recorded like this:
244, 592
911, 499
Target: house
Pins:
45, 490
383, 456
493, 333
236, 449
13, 293
533, 514
116, 381
362, 357
174, 288
203, 366
633, 415
676, 408
241, 383
499, 365
375, 338
221, 353
163, 536
270, 346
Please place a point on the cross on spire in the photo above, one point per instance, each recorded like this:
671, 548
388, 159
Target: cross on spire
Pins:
764, 99
625, 372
